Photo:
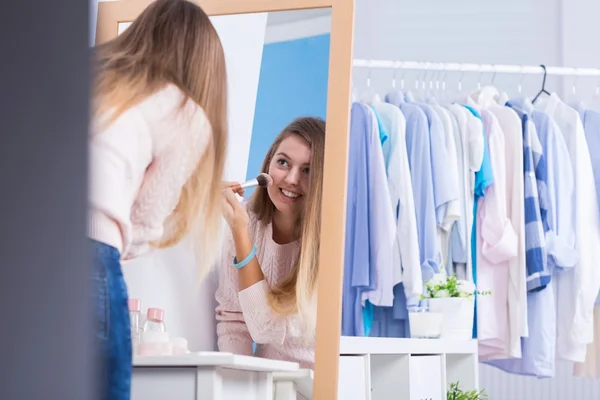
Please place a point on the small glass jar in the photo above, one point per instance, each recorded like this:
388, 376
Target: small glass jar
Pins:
424, 324
154, 321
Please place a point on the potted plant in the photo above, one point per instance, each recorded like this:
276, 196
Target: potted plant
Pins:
455, 300
456, 393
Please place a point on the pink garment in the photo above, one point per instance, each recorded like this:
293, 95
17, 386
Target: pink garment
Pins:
497, 243
138, 165
245, 317
511, 126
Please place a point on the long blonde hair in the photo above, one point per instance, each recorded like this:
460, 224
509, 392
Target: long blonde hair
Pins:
173, 42
296, 293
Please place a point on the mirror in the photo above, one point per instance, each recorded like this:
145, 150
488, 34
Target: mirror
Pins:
287, 143
278, 67
277, 70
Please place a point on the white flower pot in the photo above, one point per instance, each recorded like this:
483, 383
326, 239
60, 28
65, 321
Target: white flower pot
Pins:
457, 314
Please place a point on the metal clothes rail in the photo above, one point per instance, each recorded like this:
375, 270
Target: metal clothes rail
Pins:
492, 68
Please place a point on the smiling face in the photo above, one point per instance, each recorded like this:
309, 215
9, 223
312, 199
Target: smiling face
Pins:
289, 169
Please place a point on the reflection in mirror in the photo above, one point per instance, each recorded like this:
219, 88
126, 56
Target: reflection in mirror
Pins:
267, 305
260, 299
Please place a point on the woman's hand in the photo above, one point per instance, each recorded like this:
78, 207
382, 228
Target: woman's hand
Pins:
236, 187
234, 212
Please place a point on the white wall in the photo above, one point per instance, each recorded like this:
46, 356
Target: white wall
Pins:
579, 45
500, 32
280, 30
167, 279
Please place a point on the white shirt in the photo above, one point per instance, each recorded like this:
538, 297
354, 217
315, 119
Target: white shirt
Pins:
578, 288
453, 209
406, 245
472, 143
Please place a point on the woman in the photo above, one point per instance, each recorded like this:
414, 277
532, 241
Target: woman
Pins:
268, 281
157, 151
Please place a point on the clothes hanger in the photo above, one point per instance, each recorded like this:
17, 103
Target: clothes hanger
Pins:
458, 95
410, 93
460, 80
488, 94
442, 94
369, 96
434, 88
543, 90
419, 91
394, 79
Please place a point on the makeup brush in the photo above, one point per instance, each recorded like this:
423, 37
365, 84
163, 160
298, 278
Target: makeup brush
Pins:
262, 180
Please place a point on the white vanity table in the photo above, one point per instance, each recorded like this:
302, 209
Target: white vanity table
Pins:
217, 376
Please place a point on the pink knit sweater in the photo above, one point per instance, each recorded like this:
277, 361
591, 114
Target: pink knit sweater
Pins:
138, 165
245, 316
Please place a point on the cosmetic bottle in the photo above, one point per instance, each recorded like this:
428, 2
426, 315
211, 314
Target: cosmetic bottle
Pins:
154, 321
154, 337
135, 308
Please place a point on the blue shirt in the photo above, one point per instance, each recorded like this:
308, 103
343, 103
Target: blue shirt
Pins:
591, 124
368, 245
393, 322
443, 190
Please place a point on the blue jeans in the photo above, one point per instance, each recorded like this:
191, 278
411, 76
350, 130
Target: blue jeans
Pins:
112, 329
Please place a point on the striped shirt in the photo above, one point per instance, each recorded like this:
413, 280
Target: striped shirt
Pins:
536, 204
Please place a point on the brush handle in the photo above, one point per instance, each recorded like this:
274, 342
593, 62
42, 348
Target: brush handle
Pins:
249, 184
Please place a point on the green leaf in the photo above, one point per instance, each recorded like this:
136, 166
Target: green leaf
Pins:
456, 393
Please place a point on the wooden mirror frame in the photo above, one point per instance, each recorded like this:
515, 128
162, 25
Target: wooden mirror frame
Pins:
333, 209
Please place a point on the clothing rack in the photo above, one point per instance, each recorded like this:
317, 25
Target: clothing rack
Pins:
492, 68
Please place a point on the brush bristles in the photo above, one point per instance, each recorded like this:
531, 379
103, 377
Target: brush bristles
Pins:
264, 180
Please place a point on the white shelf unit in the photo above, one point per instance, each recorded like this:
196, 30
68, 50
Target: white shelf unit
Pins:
405, 369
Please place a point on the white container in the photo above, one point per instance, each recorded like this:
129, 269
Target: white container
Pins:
155, 344
179, 346
424, 324
457, 314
